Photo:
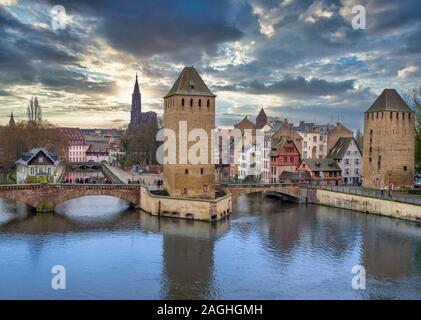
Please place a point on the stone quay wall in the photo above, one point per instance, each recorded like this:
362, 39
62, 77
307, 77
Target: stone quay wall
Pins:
186, 208
389, 208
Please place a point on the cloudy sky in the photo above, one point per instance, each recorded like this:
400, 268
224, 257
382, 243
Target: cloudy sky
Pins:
299, 59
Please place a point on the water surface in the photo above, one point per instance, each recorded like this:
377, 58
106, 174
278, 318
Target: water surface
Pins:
266, 250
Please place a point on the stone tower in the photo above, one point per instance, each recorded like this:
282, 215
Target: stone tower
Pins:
136, 105
389, 142
190, 101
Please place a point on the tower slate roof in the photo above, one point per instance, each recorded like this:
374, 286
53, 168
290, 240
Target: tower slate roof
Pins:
389, 100
189, 82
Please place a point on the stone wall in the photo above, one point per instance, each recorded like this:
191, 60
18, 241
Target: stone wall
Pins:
353, 202
389, 149
197, 209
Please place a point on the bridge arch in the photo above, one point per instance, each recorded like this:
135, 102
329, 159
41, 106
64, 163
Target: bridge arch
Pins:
45, 197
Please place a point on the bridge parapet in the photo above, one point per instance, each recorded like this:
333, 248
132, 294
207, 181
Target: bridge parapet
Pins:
44, 197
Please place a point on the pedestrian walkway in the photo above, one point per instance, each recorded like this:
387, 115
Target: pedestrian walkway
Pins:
394, 195
124, 176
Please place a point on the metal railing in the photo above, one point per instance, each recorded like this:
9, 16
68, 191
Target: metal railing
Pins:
378, 194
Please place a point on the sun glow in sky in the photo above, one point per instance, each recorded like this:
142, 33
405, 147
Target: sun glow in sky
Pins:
300, 60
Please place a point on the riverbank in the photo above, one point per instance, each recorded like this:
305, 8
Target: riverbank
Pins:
390, 208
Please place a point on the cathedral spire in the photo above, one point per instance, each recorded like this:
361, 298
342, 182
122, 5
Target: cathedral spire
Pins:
12, 120
136, 86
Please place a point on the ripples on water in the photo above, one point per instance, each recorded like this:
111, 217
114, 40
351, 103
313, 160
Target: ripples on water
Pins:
266, 250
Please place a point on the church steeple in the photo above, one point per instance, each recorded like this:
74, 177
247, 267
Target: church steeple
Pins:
12, 120
136, 105
136, 86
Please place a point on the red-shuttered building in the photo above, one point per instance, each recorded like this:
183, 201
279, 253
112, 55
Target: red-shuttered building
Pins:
284, 156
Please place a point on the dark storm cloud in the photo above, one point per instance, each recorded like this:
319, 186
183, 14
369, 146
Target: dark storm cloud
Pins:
294, 87
181, 29
385, 15
157, 36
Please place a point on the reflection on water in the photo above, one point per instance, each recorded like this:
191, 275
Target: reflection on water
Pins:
93, 176
267, 250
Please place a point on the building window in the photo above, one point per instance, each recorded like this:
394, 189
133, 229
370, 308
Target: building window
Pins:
397, 115
208, 104
202, 171
182, 102
200, 104
191, 103
369, 160
379, 163
186, 171
409, 116
391, 115
184, 190
205, 188
405, 168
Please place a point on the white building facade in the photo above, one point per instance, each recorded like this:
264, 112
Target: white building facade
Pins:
348, 156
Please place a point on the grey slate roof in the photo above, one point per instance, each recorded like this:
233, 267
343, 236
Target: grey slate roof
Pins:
27, 156
189, 82
295, 176
338, 151
322, 164
389, 100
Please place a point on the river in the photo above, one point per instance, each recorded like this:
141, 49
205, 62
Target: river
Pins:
266, 250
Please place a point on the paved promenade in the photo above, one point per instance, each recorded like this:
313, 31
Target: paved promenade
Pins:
395, 195
125, 176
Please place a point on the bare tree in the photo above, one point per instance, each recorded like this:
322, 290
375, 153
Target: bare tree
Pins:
34, 112
414, 100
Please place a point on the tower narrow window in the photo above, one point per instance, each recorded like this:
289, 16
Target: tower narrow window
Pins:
200, 104
208, 104
191, 104
182, 102
186, 171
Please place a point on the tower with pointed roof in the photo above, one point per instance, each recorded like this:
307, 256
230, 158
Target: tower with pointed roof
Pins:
261, 119
190, 103
11, 120
389, 143
136, 104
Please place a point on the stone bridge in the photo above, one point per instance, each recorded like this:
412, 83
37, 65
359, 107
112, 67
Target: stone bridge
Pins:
45, 197
292, 192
